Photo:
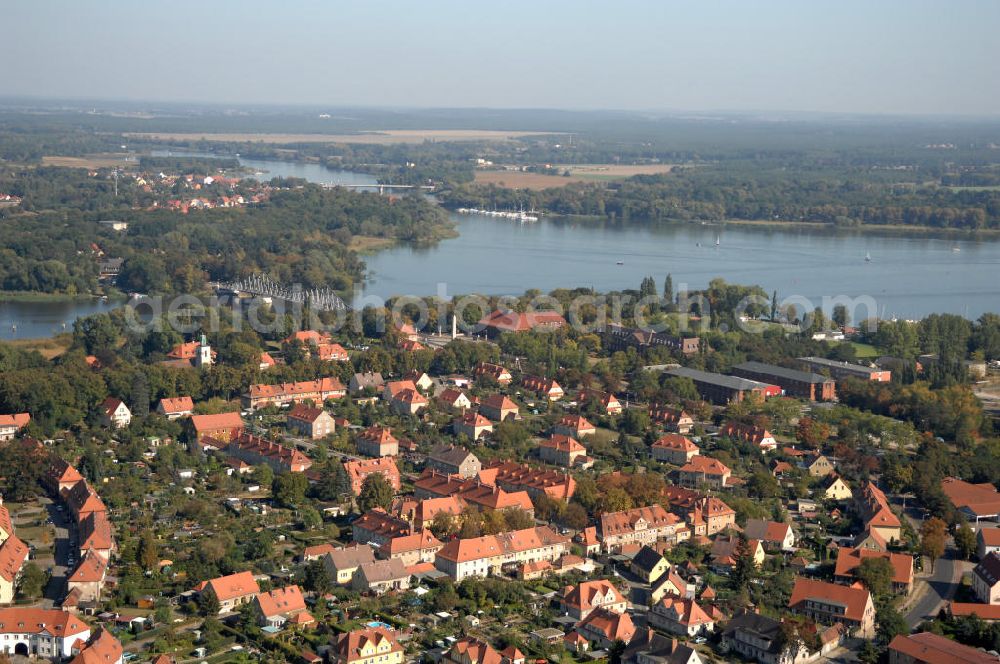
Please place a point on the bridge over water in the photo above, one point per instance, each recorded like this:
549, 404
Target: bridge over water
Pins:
382, 188
261, 285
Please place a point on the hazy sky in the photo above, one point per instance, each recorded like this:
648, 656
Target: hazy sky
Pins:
882, 56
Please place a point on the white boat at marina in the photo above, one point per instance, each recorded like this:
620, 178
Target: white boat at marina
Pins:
513, 215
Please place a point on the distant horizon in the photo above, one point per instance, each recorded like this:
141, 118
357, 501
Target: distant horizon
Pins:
12, 101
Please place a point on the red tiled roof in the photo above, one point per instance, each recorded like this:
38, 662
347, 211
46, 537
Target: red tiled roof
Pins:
705, 465
677, 442
281, 601
499, 402
102, 649
350, 644
285, 390
581, 596
177, 404
654, 516
416, 542
685, 611
13, 553
511, 321
930, 648
980, 499
768, 531
19, 420
58, 623
317, 550
989, 612
378, 434
474, 650
184, 351
855, 600
575, 422
90, 570
563, 443
217, 422
612, 626
505, 543
849, 559
474, 420
990, 536
233, 586
515, 476
305, 413
95, 532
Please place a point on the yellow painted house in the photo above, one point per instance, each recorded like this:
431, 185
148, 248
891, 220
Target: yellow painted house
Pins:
838, 490
649, 565
373, 645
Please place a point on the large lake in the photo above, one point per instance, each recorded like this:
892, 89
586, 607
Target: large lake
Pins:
906, 277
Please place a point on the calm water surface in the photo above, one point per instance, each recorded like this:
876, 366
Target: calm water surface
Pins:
907, 277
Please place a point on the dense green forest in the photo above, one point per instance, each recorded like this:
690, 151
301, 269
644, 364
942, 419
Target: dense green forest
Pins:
300, 235
748, 192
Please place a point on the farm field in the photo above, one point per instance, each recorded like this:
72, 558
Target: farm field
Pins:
386, 137
578, 173
103, 160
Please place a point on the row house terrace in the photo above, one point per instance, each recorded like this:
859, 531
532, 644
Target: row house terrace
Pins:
255, 450
638, 526
421, 547
705, 515
317, 391
513, 476
475, 491
495, 554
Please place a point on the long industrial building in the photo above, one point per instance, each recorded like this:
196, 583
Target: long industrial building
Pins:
843, 370
722, 389
803, 384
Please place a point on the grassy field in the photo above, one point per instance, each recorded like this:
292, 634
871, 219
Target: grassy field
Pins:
48, 348
105, 160
865, 350
578, 173
366, 244
386, 137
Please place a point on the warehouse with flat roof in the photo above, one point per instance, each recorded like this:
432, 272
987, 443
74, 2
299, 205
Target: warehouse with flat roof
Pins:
802, 384
843, 370
722, 389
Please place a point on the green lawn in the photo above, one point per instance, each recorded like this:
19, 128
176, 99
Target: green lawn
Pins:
865, 350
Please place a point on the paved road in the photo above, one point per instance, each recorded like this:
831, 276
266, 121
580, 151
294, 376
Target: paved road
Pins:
64, 531
942, 586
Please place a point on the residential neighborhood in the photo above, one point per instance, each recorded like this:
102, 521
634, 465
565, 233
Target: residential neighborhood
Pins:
467, 512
